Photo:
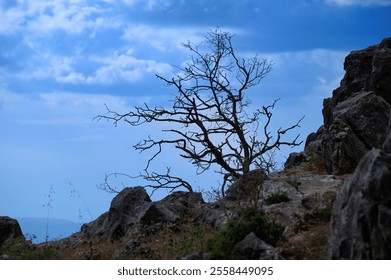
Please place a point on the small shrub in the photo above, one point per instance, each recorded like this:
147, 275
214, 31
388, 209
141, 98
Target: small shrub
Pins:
325, 213
222, 245
294, 184
277, 198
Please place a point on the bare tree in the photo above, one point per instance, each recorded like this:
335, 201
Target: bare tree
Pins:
214, 126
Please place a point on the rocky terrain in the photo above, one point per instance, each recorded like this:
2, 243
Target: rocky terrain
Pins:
332, 201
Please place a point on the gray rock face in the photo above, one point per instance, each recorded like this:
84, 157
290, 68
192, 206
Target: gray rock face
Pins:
359, 124
367, 69
295, 159
361, 220
9, 228
217, 214
126, 209
357, 115
253, 248
387, 141
247, 187
133, 206
172, 207
312, 195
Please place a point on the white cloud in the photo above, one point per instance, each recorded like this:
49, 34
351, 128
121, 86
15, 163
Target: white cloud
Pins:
324, 58
78, 100
150, 5
72, 19
163, 39
125, 67
40, 17
59, 108
119, 67
53, 66
360, 2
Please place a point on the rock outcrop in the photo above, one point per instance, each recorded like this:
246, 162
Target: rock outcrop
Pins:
356, 138
356, 117
253, 248
361, 220
126, 209
132, 207
9, 228
308, 193
172, 207
358, 124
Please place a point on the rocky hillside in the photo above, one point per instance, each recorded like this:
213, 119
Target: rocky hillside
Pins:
355, 138
333, 200
356, 117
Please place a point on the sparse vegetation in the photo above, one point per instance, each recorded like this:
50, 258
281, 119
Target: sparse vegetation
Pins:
221, 246
277, 198
294, 184
49, 206
22, 249
310, 244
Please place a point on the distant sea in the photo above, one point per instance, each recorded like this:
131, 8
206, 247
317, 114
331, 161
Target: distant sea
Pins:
35, 228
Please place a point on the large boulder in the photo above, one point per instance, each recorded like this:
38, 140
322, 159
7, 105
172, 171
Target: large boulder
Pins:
254, 248
361, 220
172, 207
369, 70
9, 228
356, 117
126, 209
359, 124
133, 207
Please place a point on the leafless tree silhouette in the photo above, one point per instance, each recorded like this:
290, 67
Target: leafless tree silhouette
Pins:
214, 126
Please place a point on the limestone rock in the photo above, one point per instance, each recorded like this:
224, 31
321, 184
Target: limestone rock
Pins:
295, 159
132, 208
253, 248
247, 187
172, 207
357, 115
126, 209
218, 214
9, 228
387, 141
359, 124
361, 220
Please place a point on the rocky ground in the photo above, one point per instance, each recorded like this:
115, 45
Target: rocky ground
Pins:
180, 225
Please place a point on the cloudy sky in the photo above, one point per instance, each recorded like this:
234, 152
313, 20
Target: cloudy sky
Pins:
62, 60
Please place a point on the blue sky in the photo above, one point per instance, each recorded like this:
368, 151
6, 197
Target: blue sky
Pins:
61, 61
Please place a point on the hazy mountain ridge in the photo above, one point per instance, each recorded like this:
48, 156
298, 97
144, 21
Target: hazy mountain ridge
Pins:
58, 228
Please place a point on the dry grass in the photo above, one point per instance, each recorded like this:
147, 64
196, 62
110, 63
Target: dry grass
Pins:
168, 242
176, 241
309, 244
